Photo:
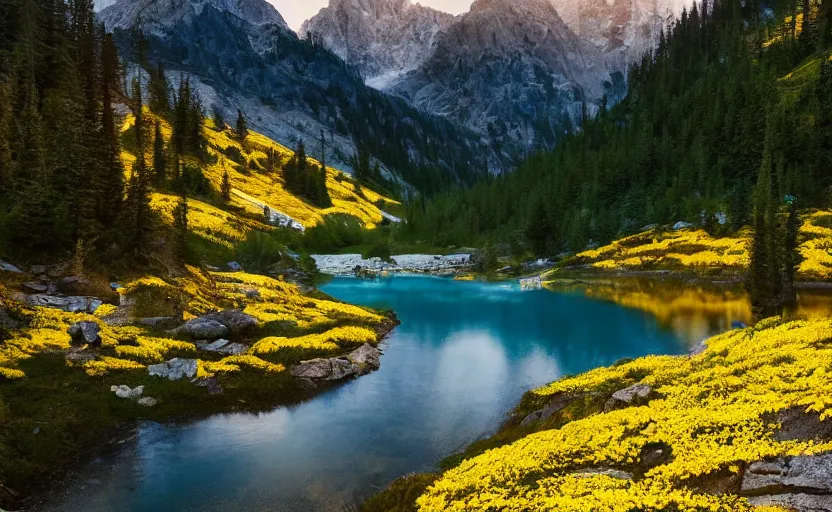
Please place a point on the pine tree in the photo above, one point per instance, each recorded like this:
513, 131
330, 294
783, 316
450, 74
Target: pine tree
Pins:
764, 276
158, 91
219, 121
5, 142
242, 126
138, 214
111, 182
160, 166
791, 255
225, 188
180, 216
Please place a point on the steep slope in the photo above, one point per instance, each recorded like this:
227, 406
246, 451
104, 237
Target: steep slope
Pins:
292, 89
381, 38
512, 71
622, 29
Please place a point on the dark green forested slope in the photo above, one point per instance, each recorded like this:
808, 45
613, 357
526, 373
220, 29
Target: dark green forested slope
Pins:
688, 140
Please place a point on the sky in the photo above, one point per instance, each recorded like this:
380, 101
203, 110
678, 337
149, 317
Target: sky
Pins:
295, 12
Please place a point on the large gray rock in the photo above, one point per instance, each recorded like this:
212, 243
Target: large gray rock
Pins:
175, 369
202, 329
799, 501
8, 267
628, 396
147, 402
316, 369
213, 346
85, 333
341, 369
367, 358
234, 349
809, 474
234, 320
797, 424
70, 304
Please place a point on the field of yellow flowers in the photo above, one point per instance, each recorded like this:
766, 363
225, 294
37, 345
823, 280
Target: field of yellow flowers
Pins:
714, 412
310, 325
696, 250
266, 186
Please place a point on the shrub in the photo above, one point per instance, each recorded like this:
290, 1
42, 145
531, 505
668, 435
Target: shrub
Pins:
335, 232
379, 250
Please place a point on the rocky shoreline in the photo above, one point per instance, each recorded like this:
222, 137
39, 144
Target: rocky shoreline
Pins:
353, 264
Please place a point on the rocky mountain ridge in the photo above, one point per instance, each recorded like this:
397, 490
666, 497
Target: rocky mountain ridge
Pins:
383, 39
239, 54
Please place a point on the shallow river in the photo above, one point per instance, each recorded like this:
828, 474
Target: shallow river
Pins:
463, 356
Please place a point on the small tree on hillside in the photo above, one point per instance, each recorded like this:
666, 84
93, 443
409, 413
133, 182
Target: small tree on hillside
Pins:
225, 188
242, 126
219, 121
159, 160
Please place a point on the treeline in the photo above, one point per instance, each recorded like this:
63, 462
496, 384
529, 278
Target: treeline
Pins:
686, 144
61, 178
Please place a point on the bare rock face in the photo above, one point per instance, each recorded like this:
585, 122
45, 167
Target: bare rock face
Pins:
316, 369
628, 396
511, 71
383, 39
806, 474
175, 369
70, 304
556, 404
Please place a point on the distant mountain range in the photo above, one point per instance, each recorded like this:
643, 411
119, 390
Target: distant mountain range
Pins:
418, 88
519, 73
240, 54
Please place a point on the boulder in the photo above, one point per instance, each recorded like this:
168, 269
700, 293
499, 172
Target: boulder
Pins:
203, 329
253, 294
626, 397
809, 474
316, 369
175, 369
147, 402
679, 226
39, 270
234, 266
124, 391
70, 304
341, 369
8, 267
234, 320
85, 333
367, 358
36, 287
214, 346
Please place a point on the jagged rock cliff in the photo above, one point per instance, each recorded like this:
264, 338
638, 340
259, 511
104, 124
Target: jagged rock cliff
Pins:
513, 71
382, 38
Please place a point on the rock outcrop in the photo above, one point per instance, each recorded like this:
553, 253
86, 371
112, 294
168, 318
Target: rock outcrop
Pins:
383, 39
202, 329
175, 369
805, 474
359, 362
629, 396
237, 322
346, 264
70, 304
85, 333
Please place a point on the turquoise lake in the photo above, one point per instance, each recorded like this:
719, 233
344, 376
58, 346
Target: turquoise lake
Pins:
463, 356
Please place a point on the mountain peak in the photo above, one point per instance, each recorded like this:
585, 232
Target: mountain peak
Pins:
125, 14
383, 39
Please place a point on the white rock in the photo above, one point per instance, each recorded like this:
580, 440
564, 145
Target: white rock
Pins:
8, 267
148, 402
124, 391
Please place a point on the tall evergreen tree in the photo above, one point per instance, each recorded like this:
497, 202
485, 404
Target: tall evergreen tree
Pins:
160, 165
158, 91
242, 126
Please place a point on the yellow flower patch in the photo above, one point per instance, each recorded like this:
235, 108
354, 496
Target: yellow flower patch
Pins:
713, 410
